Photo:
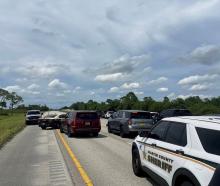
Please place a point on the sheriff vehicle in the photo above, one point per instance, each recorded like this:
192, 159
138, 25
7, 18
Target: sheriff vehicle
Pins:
179, 151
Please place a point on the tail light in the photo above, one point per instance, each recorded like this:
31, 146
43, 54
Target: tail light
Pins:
129, 122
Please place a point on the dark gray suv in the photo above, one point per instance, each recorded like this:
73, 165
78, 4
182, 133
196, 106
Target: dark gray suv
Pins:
126, 122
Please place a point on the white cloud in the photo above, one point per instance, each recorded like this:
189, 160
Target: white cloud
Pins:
197, 79
13, 88
33, 86
133, 85
162, 89
193, 95
109, 77
206, 55
114, 90
57, 84
139, 92
200, 87
158, 81
172, 95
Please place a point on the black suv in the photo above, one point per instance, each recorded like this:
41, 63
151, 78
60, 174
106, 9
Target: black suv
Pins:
126, 122
174, 112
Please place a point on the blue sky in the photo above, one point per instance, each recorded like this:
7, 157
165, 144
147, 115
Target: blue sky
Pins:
59, 52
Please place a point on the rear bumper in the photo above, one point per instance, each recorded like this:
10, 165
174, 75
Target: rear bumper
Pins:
33, 121
86, 130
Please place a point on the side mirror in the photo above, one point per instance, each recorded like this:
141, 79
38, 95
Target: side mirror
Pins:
143, 133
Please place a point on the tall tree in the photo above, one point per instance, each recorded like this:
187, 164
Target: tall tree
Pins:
14, 99
3, 97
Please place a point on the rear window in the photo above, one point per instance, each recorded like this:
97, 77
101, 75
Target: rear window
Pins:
140, 115
33, 113
210, 140
182, 113
87, 115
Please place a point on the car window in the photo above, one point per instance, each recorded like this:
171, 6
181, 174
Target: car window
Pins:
33, 113
120, 114
159, 131
176, 134
210, 140
62, 116
84, 115
140, 115
182, 113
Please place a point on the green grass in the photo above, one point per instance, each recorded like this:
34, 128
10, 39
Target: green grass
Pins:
10, 125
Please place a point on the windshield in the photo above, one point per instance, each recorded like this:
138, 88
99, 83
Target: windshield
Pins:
33, 113
140, 115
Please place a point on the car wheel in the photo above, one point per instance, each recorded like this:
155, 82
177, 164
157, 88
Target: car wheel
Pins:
43, 127
136, 163
109, 129
69, 133
122, 133
61, 129
186, 183
95, 134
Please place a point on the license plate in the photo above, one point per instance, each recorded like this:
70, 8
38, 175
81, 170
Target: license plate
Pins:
87, 123
142, 124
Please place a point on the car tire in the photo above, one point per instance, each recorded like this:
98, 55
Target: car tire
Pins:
186, 183
122, 133
61, 129
95, 134
43, 127
109, 129
69, 133
136, 163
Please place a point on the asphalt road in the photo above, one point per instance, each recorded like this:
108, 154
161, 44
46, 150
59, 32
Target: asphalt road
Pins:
106, 159
33, 158
38, 157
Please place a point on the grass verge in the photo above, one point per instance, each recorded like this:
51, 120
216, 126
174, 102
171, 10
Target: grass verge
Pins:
9, 126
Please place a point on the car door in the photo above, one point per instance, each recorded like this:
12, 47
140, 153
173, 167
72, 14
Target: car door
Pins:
119, 120
163, 152
150, 151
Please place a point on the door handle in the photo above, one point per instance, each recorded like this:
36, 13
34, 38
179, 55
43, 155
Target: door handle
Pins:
180, 151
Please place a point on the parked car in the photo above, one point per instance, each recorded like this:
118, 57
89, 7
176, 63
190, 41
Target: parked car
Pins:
126, 122
108, 114
180, 151
77, 122
174, 112
32, 117
51, 119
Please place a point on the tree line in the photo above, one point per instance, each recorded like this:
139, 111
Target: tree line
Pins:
195, 104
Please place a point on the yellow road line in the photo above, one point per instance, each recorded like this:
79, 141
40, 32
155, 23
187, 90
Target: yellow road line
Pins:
79, 167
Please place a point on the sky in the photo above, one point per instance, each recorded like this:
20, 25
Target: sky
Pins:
58, 52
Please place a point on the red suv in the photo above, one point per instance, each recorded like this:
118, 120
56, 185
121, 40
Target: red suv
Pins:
81, 122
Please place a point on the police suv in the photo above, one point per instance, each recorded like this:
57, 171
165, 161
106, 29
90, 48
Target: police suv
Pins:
179, 151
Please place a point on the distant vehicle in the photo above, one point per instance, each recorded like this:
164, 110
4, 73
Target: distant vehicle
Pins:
77, 122
51, 119
155, 116
174, 112
127, 122
32, 117
108, 114
180, 151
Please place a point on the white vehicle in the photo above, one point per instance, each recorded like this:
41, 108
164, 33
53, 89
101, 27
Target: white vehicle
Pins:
179, 151
32, 117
